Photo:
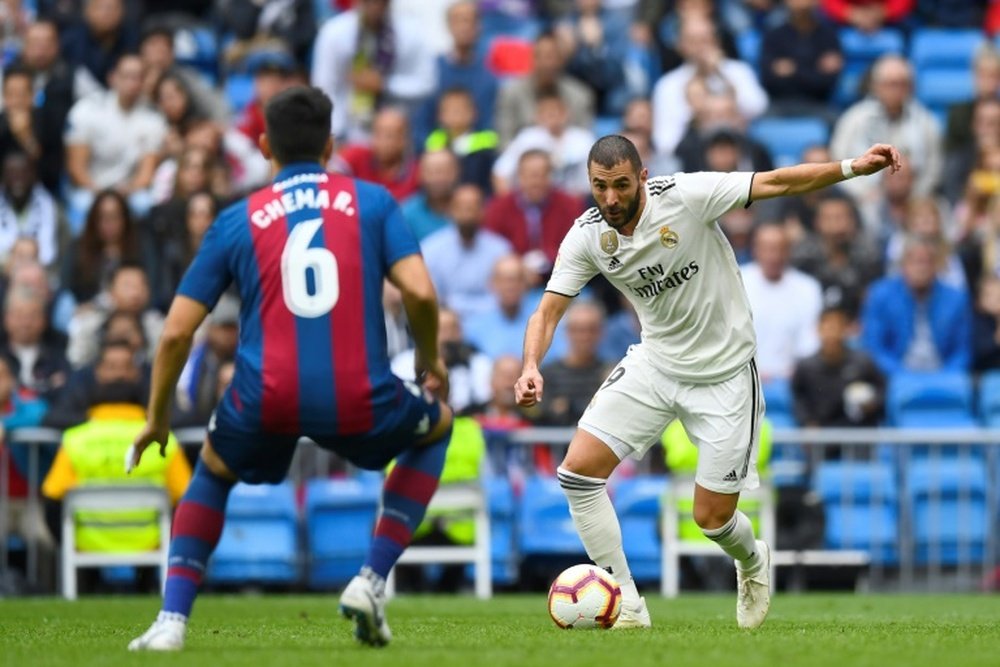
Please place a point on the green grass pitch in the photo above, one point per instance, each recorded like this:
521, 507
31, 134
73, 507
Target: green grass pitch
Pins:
808, 630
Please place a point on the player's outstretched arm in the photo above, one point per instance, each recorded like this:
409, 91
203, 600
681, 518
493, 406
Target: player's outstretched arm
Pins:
537, 339
411, 277
184, 318
803, 178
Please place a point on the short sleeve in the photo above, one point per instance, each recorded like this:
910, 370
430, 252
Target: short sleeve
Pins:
573, 267
709, 194
209, 274
78, 123
398, 240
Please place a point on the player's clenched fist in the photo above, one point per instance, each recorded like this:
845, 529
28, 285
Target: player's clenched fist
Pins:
875, 159
528, 388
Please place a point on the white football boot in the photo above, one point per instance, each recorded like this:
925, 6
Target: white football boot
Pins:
363, 601
165, 634
633, 617
754, 591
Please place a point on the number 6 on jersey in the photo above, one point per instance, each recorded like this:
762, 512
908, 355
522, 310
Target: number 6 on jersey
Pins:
297, 259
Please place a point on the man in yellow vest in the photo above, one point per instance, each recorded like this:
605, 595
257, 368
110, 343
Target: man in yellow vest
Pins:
92, 454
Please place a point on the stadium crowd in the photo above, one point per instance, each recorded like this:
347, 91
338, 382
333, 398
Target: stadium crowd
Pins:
126, 126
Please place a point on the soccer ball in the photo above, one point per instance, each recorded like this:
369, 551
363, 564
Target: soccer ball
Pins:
585, 596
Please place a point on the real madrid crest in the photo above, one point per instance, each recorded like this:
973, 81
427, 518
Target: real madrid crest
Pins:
668, 237
609, 241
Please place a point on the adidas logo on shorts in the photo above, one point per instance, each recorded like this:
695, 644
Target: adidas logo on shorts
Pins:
731, 477
614, 264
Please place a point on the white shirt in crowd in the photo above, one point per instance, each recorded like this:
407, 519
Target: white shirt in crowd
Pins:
678, 271
568, 153
785, 317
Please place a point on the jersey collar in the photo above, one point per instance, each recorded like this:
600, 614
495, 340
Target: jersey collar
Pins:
297, 168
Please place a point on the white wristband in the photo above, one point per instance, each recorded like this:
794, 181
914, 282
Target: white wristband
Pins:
845, 168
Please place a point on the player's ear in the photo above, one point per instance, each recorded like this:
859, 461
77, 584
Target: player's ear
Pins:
328, 150
265, 146
643, 175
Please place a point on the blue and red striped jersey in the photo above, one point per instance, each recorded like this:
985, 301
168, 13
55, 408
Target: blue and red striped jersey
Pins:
308, 254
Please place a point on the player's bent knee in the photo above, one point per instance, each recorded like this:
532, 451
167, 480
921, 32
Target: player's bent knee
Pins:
214, 462
590, 457
713, 515
440, 429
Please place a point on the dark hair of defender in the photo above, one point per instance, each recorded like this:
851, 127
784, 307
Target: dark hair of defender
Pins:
614, 149
298, 124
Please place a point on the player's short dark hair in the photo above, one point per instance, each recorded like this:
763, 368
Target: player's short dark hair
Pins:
298, 124
614, 149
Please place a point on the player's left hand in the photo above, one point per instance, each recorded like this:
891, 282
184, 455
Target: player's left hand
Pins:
877, 158
151, 432
434, 378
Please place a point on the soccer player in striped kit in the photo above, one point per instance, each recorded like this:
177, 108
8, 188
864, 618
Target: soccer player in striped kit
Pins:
308, 254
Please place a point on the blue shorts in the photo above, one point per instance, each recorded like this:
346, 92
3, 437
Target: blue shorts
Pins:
259, 457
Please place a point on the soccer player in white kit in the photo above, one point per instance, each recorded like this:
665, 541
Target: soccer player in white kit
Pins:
658, 242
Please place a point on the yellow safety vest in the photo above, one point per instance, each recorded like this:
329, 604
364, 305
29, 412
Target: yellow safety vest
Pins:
93, 453
682, 458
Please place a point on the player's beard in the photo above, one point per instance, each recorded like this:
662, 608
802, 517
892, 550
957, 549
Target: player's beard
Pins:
630, 211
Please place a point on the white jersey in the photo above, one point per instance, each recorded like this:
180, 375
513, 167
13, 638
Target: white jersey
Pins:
677, 269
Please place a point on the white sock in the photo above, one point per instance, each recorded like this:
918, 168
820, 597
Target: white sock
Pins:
598, 527
737, 539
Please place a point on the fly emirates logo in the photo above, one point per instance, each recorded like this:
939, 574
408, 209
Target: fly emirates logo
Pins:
287, 200
654, 279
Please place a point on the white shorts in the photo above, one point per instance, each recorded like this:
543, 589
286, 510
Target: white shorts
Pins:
636, 403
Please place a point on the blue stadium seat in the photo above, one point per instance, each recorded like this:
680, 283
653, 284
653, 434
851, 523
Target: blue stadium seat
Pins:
949, 509
637, 501
340, 516
605, 125
860, 499
989, 399
939, 88
502, 547
545, 527
260, 540
787, 138
239, 90
748, 45
848, 90
864, 48
931, 400
198, 47
944, 47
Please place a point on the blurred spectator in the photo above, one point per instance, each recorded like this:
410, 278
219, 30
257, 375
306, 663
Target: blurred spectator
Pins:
240, 157
198, 389
891, 115
397, 329
426, 210
980, 251
35, 359
838, 386
597, 43
800, 61
886, 213
500, 330
25, 272
982, 186
115, 416
986, 86
389, 159
28, 129
868, 15
737, 225
637, 127
986, 326
94, 45
572, 379
706, 70
567, 146
463, 68
53, 79
923, 220
460, 257
784, 334
798, 213
621, 329
913, 321
364, 61
195, 170
15, 17
128, 292
189, 219
951, 13
839, 255
516, 103
475, 149
657, 23
961, 160
260, 24
158, 60
124, 327
718, 126
173, 99
109, 239
469, 369
503, 415
113, 140
27, 210
273, 72
535, 216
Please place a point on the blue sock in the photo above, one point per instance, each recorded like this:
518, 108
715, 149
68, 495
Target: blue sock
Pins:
196, 530
407, 491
